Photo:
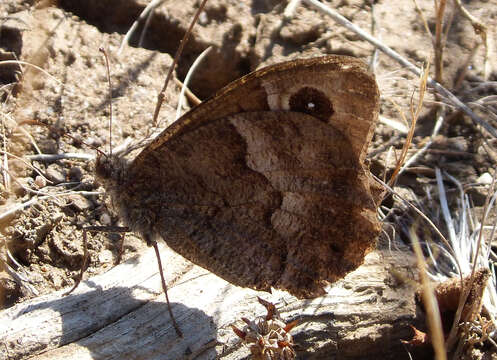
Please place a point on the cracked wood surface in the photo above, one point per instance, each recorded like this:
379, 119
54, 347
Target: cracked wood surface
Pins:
122, 314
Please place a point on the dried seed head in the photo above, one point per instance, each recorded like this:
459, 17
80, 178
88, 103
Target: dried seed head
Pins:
268, 337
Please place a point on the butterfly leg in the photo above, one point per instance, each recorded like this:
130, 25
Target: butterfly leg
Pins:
121, 251
164, 286
84, 265
86, 255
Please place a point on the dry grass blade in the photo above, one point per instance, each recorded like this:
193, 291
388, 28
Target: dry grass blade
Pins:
394, 124
12, 210
426, 146
65, 156
11, 62
107, 67
34, 168
421, 214
410, 134
5, 162
452, 338
290, 8
144, 15
423, 18
191, 71
19, 278
465, 67
430, 302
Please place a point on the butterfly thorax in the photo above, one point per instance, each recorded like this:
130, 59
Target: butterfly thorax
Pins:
112, 172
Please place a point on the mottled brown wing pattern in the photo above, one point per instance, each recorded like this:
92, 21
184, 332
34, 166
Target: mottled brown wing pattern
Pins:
264, 184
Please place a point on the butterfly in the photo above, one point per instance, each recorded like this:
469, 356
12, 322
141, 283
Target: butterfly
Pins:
265, 183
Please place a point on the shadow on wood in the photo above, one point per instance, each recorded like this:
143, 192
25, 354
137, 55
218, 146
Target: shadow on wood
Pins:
122, 315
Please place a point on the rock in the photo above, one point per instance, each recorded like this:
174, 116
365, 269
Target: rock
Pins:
79, 202
75, 174
485, 179
40, 182
54, 174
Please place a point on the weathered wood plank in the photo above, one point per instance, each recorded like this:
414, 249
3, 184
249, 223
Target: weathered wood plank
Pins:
122, 315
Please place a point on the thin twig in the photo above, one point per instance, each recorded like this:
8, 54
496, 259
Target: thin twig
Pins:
194, 100
438, 43
480, 29
65, 156
107, 66
162, 94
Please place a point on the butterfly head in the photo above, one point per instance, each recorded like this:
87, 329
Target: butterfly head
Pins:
109, 168
112, 167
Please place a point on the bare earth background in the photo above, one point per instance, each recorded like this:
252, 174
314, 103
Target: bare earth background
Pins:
63, 39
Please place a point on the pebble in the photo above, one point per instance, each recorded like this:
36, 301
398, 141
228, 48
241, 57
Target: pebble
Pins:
40, 182
55, 175
105, 219
105, 256
484, 179
79, 202
75, 174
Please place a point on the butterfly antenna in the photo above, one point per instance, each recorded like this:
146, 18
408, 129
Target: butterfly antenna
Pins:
102, 50
162, 94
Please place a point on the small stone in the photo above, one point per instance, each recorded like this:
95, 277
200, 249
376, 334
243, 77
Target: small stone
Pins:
105, 219
203, 19
40, 182
105, 256
79, 202
485, 179
47, 146
55, 175
75, 174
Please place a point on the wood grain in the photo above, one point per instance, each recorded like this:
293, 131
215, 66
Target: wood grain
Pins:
122, 315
